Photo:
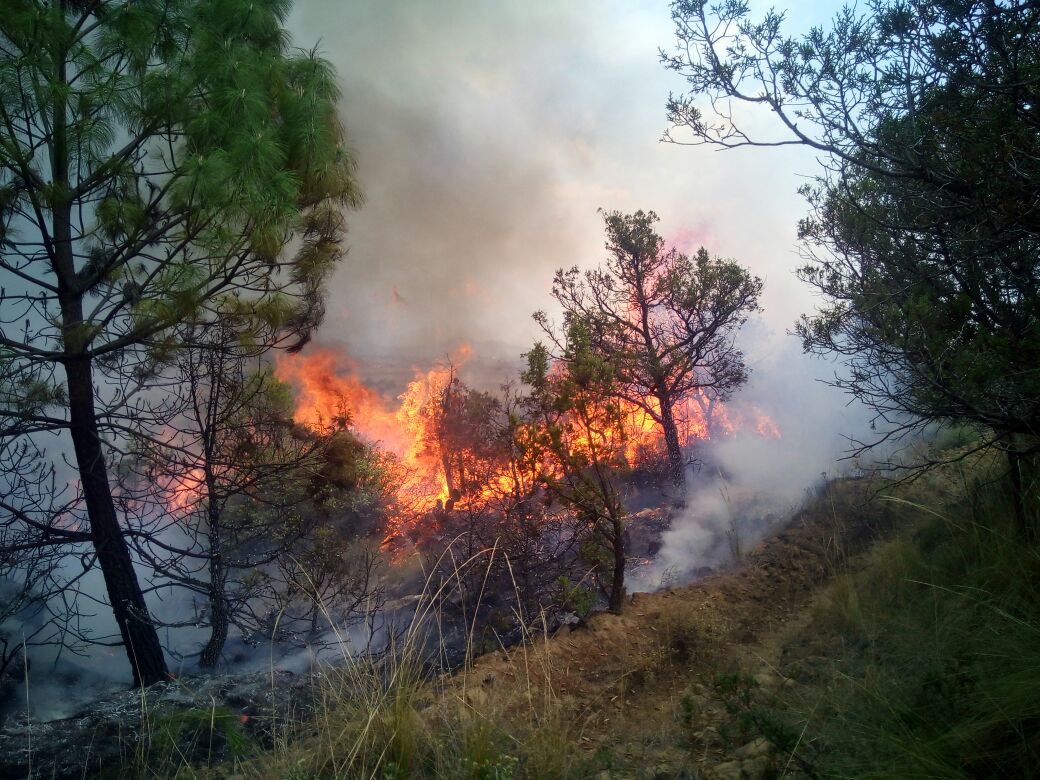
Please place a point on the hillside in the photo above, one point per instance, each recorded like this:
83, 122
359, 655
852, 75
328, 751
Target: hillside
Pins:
887, 631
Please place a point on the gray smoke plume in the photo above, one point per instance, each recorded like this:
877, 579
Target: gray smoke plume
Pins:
749, 485
488, 135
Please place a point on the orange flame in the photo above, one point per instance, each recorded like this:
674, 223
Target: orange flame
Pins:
329, 392
185, 490
765, 427
325, 393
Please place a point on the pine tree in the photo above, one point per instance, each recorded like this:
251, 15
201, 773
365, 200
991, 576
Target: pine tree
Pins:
157, 160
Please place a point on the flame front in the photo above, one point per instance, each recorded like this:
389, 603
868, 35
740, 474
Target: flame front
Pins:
186, 490
330, 393
325, 394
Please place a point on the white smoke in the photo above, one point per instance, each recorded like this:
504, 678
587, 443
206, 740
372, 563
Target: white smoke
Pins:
749, 485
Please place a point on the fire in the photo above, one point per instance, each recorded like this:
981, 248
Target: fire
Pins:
765, 427
325, 394
698, 418
329, 393
186, 490
641, 430
427, 482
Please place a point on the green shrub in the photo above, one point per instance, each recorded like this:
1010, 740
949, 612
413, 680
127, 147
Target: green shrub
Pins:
943, 676
576, 598
196, 736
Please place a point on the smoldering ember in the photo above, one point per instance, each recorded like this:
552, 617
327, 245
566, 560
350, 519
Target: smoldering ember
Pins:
408, 390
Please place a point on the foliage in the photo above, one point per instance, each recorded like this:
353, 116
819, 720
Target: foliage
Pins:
664, 321
232, 478
325, 582
923, 231
574, 436
575, 597
921, 660
32, 580
932, 674
207, 736
161, 162
387, 717
739, 695
464, 434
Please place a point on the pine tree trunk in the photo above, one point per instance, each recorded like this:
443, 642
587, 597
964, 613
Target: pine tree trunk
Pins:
218, 606
449, 476
1021, 476
218, 609
617, 585
219, 626
312, 633
124, 591
676, 465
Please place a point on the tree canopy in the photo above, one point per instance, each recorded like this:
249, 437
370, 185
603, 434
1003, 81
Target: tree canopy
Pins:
924, 228
666, 321
161, 162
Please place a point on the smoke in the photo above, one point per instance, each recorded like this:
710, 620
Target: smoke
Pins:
749, 485
487, 136
465, 211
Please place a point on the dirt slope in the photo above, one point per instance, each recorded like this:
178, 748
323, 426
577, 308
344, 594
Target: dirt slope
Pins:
639, 686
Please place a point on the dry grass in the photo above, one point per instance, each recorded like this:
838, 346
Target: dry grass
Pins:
632, 694
390, 716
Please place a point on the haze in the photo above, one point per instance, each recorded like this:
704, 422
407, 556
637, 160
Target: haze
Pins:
488, 135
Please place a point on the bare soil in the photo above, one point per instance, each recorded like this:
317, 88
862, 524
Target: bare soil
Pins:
639, 686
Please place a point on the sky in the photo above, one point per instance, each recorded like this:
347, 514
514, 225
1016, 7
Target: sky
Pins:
488, 135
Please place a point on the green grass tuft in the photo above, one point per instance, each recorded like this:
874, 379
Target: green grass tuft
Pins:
933, 651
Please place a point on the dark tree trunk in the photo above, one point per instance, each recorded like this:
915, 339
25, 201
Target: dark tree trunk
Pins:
1021, 477
617, 585
676, 464
312, 633
218, 606
124, 591
219, 624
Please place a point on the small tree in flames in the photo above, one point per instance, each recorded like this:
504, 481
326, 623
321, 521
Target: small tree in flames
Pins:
463, 434
665, 321
574, 437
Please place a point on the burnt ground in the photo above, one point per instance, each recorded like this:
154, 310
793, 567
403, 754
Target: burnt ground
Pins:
118, 730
